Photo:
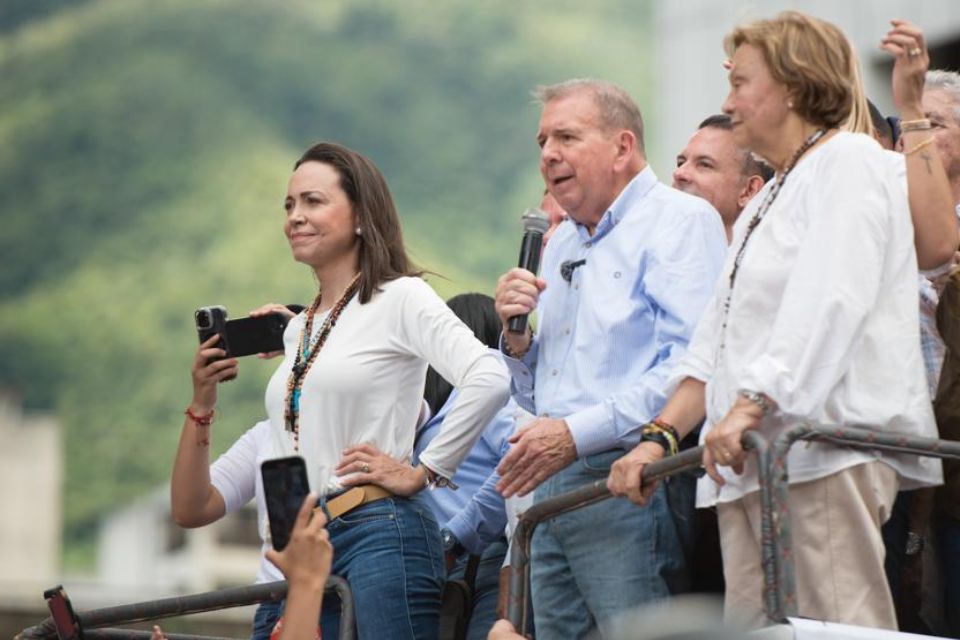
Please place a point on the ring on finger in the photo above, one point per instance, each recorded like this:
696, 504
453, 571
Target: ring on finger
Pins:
914, 52
364, 467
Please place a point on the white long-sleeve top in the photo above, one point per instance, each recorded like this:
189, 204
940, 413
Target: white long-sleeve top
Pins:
366, 384
823, 317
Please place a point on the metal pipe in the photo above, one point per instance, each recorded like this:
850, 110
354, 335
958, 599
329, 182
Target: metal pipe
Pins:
775, 478
772, 604
136, 634
592, 493
197, 603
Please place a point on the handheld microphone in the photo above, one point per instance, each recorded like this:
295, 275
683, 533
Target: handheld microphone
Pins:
535, 224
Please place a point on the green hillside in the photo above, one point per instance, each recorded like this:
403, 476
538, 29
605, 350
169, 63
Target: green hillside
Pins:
144, 153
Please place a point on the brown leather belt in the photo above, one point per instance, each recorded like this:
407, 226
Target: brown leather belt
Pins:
353, 498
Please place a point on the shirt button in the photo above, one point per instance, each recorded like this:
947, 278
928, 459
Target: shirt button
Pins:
555, 372
567, 332
589, 244
616, 274
576, 286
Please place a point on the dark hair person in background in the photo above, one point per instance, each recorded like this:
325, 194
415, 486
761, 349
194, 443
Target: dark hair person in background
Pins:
814, 319
882, 129
352, 376
713, 167
473, 518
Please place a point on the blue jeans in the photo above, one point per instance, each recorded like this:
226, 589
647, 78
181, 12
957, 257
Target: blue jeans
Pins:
486, 588
593, 563
390, 553
265, 619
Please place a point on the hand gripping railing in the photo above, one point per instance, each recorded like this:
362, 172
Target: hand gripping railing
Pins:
578, 498
780, 601
94, 619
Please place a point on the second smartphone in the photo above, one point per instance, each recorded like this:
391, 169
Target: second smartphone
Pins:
285, 486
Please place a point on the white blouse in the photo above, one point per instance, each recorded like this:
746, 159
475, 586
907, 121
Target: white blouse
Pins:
823, 317
366, 384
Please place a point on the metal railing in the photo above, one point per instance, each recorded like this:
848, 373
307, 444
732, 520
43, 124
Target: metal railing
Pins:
93, 621
781, 601
779, 585
779, 581
517, 604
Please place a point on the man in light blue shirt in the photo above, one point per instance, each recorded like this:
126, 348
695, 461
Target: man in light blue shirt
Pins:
624, 282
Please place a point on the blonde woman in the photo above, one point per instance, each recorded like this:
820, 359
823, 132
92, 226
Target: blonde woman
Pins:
814, 318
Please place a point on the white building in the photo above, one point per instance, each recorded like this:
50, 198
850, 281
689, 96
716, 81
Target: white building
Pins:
31, 479
140, 547
691, 83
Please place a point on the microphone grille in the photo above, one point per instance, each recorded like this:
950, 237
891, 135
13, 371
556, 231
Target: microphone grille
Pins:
535, 220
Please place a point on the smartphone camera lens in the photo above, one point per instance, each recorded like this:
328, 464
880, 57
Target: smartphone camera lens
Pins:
204, 319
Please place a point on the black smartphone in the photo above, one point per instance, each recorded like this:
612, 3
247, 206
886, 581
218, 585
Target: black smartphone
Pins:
285, 486
247, 336
212, 321
244, 336
64, 617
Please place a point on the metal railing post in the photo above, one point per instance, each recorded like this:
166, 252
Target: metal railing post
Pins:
94, 619
776, 479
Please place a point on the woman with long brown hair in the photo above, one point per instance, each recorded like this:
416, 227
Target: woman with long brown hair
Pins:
352, 376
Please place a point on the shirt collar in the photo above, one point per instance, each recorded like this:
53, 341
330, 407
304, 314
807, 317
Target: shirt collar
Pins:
636, 189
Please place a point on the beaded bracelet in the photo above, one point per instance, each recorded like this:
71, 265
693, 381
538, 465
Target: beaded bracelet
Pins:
663, 434
663, 424
513, 354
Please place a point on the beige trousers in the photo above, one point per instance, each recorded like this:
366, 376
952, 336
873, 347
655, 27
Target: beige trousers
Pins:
837, 548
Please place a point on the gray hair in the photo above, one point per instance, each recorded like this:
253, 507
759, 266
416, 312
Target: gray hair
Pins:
617, 109
949, 83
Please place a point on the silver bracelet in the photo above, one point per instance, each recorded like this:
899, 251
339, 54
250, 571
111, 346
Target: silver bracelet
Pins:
756, 398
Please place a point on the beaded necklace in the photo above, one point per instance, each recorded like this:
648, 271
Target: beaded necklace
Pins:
307, 355
755, 222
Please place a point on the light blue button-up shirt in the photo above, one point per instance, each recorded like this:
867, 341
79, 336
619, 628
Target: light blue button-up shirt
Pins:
475, 512
607, 340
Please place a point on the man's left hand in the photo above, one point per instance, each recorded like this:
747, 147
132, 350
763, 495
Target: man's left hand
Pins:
540, 449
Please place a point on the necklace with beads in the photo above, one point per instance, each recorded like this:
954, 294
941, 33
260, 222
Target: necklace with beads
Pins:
307, 352
758, 217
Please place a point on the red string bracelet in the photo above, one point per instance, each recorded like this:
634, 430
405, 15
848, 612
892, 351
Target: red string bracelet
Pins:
201, 421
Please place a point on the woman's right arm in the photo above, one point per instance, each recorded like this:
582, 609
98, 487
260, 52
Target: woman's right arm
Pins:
194, 501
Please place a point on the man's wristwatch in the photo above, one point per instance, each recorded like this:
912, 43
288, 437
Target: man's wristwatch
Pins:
451, 544
434, 481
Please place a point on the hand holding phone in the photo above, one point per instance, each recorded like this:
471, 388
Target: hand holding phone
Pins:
258, 333
307, 557
285, 485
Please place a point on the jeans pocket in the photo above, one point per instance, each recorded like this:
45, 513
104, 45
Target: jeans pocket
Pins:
598, 464
364, 514
431, 535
